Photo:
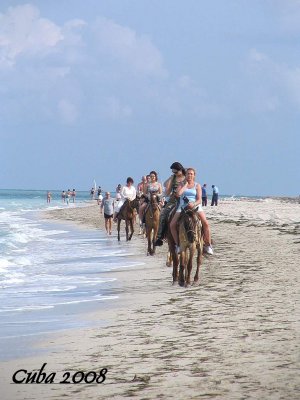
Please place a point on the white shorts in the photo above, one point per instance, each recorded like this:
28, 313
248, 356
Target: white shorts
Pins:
199, 209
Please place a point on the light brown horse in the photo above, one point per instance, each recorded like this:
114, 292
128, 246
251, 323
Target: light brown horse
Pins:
190, 240
152, 214
127, 213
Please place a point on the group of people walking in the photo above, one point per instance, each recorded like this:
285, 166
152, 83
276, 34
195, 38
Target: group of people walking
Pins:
180, 190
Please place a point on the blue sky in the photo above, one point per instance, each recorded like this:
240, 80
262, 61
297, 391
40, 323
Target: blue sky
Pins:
109, 89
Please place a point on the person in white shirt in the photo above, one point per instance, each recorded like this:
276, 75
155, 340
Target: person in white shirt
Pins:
128, 192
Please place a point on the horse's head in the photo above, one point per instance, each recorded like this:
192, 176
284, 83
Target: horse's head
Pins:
189, 221
135, 203
154, 199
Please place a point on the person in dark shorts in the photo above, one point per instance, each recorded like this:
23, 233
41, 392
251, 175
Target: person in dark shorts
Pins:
204, 195
215, 196
107, 205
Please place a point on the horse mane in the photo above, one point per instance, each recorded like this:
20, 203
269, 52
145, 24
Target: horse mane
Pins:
189, 221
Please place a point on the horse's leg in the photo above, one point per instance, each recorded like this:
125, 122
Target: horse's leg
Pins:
155, 230
199, 260
182, 268
190, 265
119, 223
126, 228
148, 233
174, 256
169, 259
131, 228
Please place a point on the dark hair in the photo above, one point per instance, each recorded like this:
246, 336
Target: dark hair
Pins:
178, 166
154, 173
129, 179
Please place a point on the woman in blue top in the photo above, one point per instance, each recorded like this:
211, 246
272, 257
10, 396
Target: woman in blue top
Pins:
190, 197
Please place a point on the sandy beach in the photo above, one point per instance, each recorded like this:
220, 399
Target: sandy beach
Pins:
235, 336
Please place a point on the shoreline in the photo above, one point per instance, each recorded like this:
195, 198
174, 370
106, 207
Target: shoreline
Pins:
229, 338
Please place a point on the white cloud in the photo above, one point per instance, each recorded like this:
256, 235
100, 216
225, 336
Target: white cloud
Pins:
67, 111
23, 31
113, 108
125, 45
291, 78
275, 83
289, 15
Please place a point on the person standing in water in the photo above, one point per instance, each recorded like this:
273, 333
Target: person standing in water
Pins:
49, 196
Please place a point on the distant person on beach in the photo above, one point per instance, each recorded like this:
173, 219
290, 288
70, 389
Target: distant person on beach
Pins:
215, 196
49, 196
63, 196
128, 192
118, 196
189, 192
73, 194
92, 193
170, 185
108, 205
118, 193
100, 198
68, 195
204, 196
99, 195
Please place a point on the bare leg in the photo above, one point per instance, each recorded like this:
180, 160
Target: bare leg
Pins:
206, 229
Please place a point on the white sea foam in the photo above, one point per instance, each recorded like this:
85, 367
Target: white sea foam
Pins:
4, 264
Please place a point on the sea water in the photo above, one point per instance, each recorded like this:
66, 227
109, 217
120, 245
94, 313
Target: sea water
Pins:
51, 275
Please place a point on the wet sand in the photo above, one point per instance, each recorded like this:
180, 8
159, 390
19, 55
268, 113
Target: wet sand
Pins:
236, 336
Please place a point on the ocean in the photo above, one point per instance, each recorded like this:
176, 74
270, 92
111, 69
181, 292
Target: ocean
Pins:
51, 274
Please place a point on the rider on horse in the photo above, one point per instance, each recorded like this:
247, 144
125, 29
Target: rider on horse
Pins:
128, 192
190, 197
152, 187
171, 185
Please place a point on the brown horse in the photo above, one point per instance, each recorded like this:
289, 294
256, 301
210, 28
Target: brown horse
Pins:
127, 213
172, 257
190, 239
152, 214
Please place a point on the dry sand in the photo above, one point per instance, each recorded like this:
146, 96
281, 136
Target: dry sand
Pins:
236, 336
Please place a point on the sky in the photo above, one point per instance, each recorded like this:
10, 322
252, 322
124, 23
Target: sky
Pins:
109, 89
